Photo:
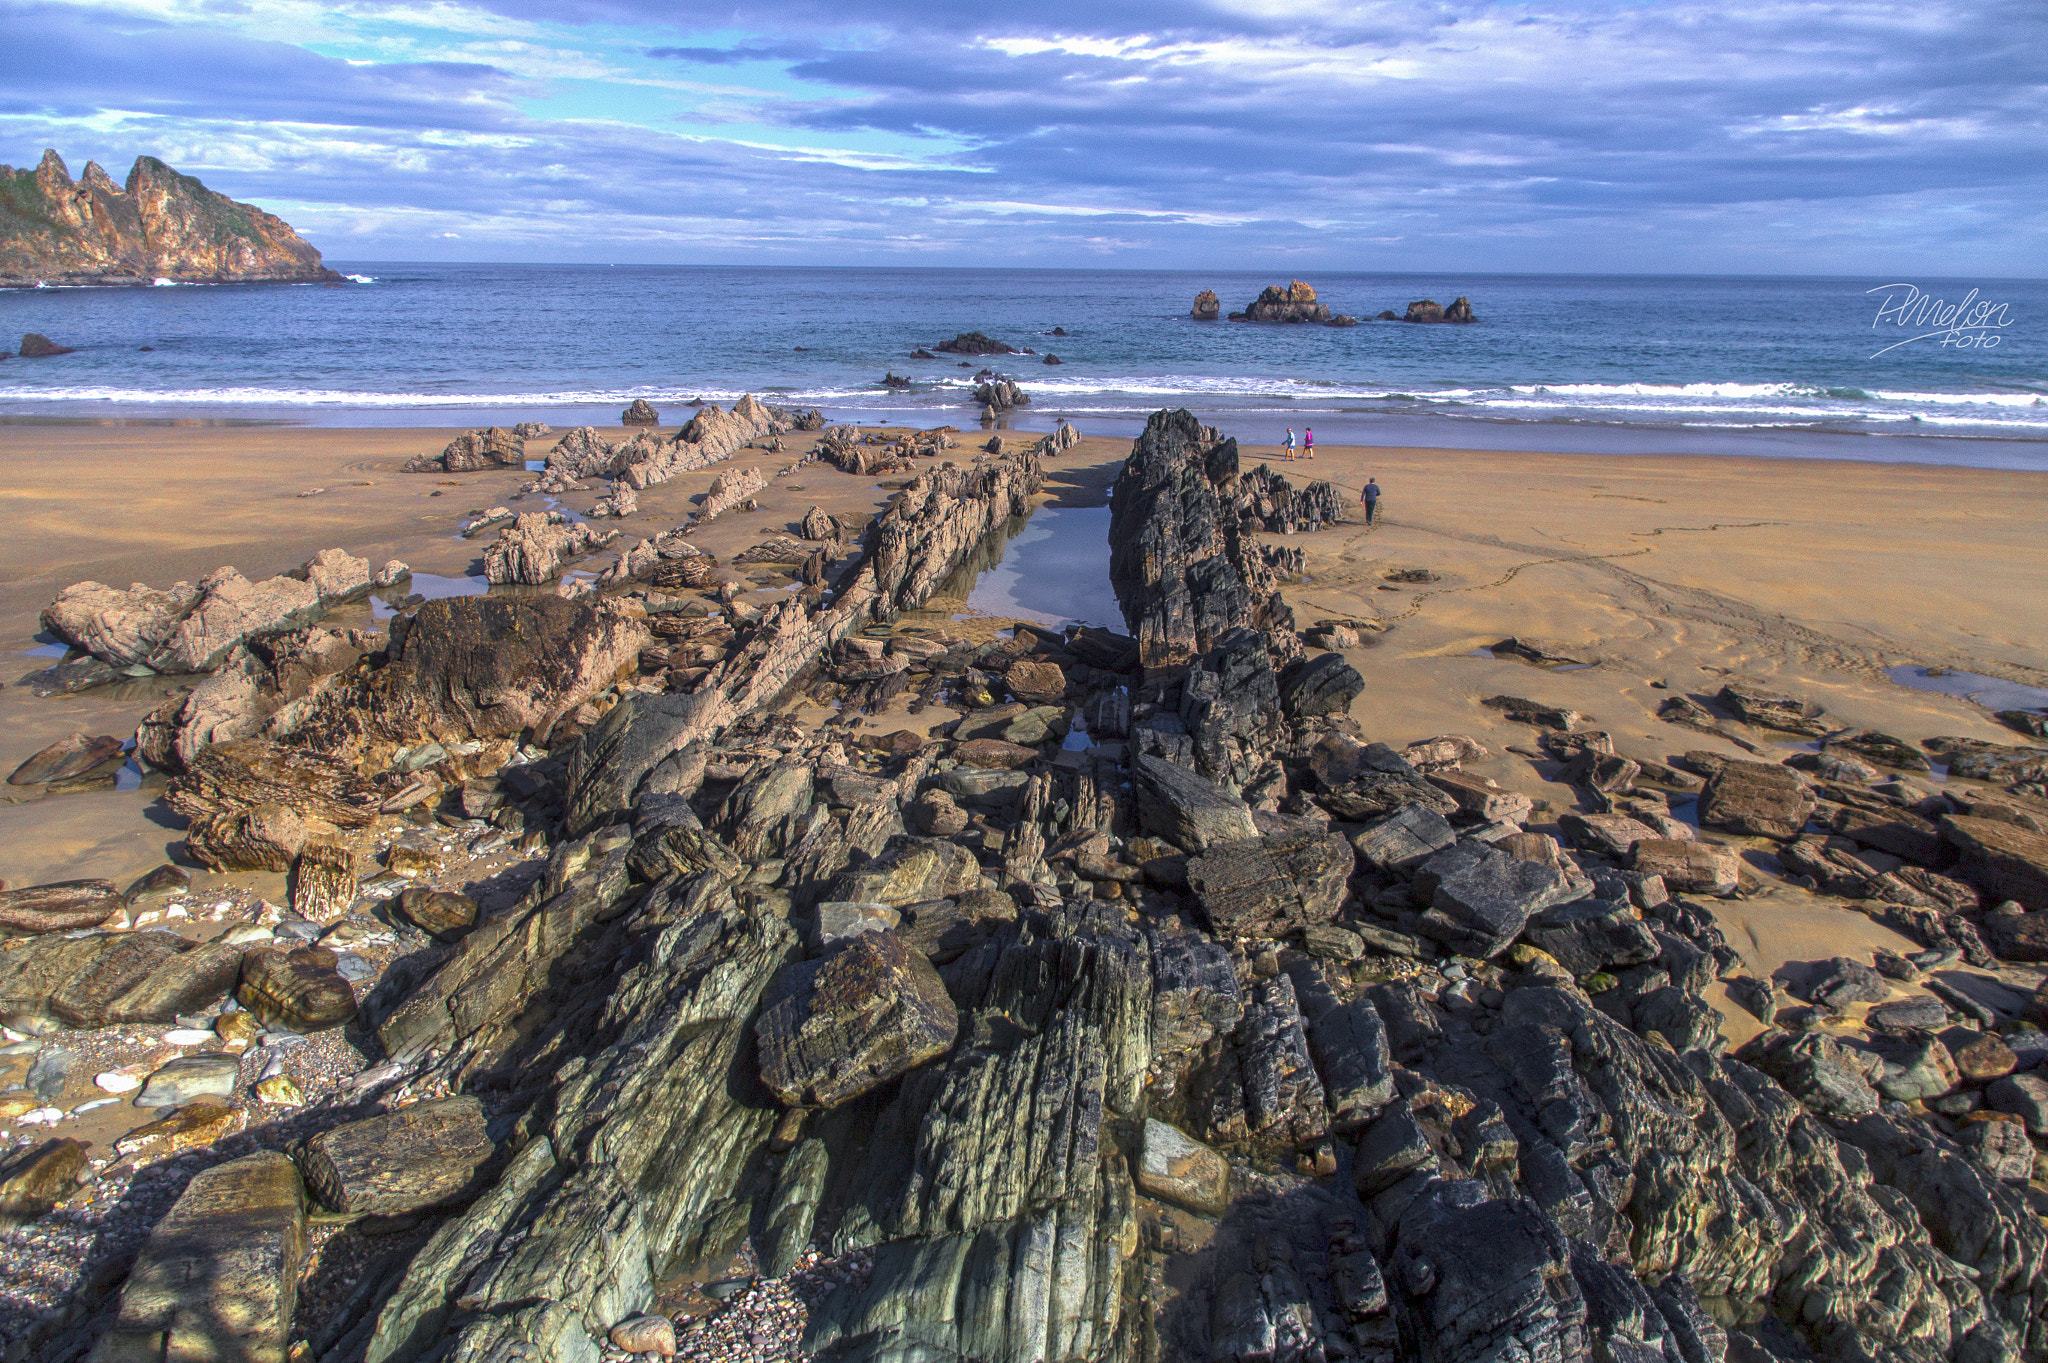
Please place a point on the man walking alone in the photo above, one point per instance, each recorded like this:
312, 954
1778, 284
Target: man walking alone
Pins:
1371, 499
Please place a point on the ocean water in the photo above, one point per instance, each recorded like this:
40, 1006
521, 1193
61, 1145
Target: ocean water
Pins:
1653, 364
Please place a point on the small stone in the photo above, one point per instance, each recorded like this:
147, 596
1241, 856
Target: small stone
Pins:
645, 1335
442, 913
189, 1127
280, 1090
240, 1025
189, 1079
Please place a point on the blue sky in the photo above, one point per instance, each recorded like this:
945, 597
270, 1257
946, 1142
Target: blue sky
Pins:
1866, 137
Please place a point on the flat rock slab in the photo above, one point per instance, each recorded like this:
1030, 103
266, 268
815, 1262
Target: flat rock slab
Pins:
910, 872
1759, 798
417, 1156
1697, 867
185, 983
2002, 859
123, 963
218, 1277
1177, 1168
1404, 839
191, 1078
59, 906
443, 913
299, 989
856, 1019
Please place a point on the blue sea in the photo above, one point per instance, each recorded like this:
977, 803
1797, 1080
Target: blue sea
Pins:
1828, 368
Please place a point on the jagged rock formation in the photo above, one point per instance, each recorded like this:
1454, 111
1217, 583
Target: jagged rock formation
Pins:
1001, 395
974, 343
471, 451
535, 546
1183, 569
1206, 306
1294, 303
188, 628
159, 225
645, 458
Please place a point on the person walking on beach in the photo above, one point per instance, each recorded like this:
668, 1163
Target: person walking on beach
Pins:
1290, 444
1371, 498
1308, 442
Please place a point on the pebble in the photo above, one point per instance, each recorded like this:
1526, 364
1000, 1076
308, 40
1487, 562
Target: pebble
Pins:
193, 1076
94, 1105
187, 1036
242, 934
352, 967
42, 1116
127, 1079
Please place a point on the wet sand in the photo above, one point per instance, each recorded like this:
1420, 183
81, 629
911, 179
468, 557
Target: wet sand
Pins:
1812, 577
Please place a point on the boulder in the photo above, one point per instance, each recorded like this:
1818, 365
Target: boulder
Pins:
36, 346
1759, 798
536, 545
640, 413
1323, 685
495, 448
1481, 799
121, 628
218, 1277
2024, 1096
119, 963
1207, 306
1593, 935
1270, 887
820, 524
495, 667
413, 1157
336, 576
75, 759
298, 989
838, 1027
2017, 936
1999, 1147
1179, 1169
1612, 834
1036, 682
1844, 982
1773, 709
178, 985
1689, 865
1187, 810
1480, 898
993, 754
59, 905
910, 871
324, 879
1295, 302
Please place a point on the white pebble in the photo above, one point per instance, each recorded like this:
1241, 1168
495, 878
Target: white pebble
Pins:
95, 1103
147, 916
187, 1036
42, 1116
113, 1081
176, 911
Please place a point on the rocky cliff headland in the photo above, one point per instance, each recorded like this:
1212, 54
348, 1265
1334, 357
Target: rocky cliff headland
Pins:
159, 225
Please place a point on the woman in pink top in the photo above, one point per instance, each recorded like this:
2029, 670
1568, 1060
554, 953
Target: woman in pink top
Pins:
1308, 442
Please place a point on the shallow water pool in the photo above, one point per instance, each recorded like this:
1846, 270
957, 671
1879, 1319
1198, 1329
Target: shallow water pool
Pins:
1054, 571
1993, 693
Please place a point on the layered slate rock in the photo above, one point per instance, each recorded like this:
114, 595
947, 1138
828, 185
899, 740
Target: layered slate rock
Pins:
219, 1275
416, 1156
1183, 1171
1480, 898
495, 666
838, 1027
1183, 572
300, 989
1191, 812
2003, 859
1269, 887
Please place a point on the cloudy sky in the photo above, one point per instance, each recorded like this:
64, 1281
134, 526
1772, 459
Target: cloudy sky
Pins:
1867, 137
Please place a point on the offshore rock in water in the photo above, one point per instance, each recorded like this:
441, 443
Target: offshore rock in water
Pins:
1294, 303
